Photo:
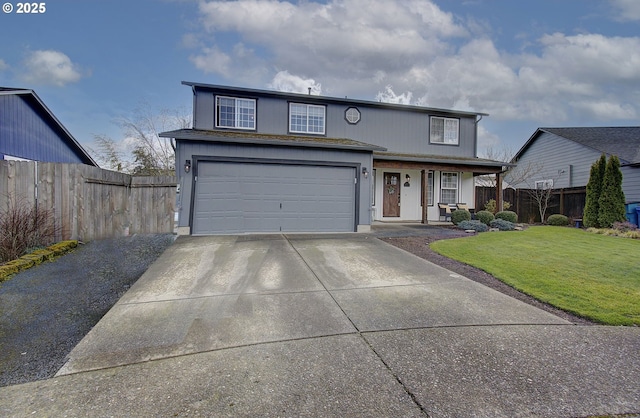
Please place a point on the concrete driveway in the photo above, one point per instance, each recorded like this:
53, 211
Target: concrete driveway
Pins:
330, 325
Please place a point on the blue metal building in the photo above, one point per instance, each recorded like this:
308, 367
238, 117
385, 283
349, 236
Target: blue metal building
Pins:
29, 131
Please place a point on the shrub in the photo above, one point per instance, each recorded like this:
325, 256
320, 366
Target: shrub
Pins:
502, 225
558, 220
485, 216
491, 206
594, 189
473, 225
460, 215
507, 215
24, 226
624, 226
611, 201
631, 234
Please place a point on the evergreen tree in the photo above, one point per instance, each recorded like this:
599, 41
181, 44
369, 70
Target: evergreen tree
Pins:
611, 203
594, 188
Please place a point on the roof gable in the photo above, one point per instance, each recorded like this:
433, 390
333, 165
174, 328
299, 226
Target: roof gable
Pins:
43, 111
327, 99
623, 141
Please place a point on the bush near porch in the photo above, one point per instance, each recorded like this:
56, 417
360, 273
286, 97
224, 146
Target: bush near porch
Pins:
593, 276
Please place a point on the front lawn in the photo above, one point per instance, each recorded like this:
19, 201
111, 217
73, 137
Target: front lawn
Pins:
593, 276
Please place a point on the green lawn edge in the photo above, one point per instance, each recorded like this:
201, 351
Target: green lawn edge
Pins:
589, 275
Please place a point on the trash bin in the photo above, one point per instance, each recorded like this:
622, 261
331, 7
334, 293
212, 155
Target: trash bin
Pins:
638, 216
632, 214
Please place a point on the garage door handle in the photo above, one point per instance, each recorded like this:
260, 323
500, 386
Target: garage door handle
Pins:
280, 205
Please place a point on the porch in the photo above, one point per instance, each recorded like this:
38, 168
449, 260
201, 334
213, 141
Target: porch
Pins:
408, 187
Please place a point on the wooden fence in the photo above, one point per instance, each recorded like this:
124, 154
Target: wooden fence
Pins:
88, 202
569, 202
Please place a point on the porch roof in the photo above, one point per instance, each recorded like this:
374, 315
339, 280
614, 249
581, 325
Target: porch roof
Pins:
439, 162
269, 139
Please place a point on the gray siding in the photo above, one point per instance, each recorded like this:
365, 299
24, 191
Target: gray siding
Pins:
557, 158
398, 130
26, 134
553, 154
189, 149
631, 184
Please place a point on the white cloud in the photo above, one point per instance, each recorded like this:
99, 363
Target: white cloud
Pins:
487, 143
50, 68
626, 10
339, 39
433, 58
213, 60
389, 96
606, 109
283, 81
3, 65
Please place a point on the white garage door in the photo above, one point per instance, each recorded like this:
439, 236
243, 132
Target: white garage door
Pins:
253, 197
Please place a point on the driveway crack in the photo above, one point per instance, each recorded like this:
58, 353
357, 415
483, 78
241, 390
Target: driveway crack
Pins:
409, 393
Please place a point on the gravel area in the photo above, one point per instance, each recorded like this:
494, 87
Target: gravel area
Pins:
46, 310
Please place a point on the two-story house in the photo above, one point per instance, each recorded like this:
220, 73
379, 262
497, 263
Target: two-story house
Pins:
267, 161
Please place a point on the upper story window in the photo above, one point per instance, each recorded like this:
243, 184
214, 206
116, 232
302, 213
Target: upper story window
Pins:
444, 131
309, 119
237, 113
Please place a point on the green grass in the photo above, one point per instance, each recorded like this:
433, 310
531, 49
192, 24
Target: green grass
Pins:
590, 275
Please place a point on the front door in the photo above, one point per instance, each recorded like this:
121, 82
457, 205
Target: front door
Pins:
391, 195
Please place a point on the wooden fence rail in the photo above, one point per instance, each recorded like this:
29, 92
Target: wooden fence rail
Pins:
569, 202
88, 202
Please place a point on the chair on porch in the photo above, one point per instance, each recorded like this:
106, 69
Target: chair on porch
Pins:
445, 211
466, 207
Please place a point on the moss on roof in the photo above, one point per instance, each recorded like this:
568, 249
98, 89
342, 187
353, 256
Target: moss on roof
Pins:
254, 137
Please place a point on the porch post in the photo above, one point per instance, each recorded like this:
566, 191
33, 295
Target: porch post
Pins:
499, 192
424, 192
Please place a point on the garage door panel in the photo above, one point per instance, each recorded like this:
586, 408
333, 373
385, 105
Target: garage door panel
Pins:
255, 197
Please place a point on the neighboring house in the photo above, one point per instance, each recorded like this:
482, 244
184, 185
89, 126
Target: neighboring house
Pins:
266, 161
562, 157
30, 132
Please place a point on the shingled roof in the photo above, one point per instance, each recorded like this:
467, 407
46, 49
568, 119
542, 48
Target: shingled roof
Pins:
624, 141
269, 139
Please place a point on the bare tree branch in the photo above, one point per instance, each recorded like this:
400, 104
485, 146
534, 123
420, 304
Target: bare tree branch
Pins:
142, 150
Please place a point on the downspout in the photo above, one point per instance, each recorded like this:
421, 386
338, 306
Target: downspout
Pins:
193, 121
475, 142
35, 189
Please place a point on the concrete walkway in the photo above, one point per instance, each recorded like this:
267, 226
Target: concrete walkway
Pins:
330, 325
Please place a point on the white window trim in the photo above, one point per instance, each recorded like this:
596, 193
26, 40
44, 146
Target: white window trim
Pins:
544, 184
308, 106
457, 189
352, 115
237, 113
446, 139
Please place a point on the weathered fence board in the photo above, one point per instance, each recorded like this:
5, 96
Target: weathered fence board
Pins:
89, 202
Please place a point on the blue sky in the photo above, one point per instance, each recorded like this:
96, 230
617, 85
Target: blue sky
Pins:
526, 63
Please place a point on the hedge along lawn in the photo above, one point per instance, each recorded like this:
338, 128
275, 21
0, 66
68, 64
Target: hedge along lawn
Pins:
590, 275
